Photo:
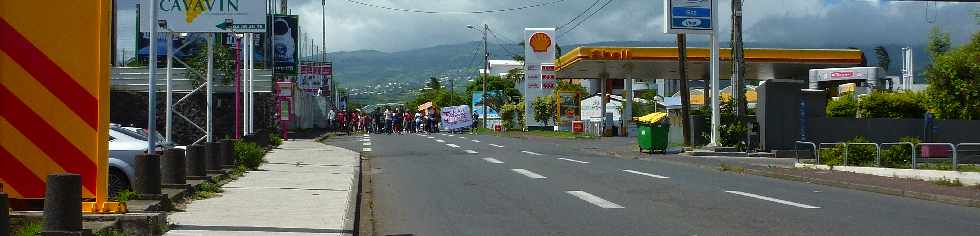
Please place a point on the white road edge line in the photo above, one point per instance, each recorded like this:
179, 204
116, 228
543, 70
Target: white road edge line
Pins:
532, 153
367, 149
529, 174
595, 200
647, 174
492, 160
800, 205
573, 160
440, 140
499, 146
452, 145
471, 151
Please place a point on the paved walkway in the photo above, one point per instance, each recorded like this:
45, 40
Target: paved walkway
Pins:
304, 189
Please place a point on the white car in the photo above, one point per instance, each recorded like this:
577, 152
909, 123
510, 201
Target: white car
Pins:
123, 149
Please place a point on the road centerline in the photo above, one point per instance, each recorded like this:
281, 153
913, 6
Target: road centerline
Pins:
595, 200
471, 151
475, 141
647, 174
573, 160
499, 146
440, 140
492, 160
532, 153
529, 174
780, 201
367, 149
452, 145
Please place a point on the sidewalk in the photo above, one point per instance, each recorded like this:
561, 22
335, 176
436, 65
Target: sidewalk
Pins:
306, 188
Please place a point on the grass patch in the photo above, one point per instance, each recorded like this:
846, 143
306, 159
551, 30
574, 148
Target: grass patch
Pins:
947, 182
112, 232
731, 168
207, 190
249, 154
125, 195
29, 229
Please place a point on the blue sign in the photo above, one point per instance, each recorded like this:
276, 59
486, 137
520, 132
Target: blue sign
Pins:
689, 16
690, 12
690, 23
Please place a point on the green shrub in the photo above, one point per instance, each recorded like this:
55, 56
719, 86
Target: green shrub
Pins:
29, 229
249, 154
881, 104
898, 156
844, 106
510, 112
857, 155
125, 195
274, 139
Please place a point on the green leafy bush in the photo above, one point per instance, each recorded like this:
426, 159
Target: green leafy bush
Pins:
843, 107
125, 195
954, 80
249, 154
544, 109
882, 104
898, 156
274, 139
29, 229
857, 155
511, 112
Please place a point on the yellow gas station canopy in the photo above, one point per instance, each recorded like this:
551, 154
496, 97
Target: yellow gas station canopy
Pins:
648, 63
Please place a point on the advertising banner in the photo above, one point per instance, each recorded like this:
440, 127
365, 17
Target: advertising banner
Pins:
284, 31
314, 79
539, 50
567, 109
477, 103
457, 117
247, 16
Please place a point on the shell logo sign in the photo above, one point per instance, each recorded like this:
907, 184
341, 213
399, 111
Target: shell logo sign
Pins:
540, 42
54, 97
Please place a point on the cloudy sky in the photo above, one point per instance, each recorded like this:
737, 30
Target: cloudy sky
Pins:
800, 22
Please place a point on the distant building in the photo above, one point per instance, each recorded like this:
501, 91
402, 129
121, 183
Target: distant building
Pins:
501, 67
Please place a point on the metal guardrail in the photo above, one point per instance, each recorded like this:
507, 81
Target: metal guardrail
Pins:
816, 153
953, 146
911, 146
877, 152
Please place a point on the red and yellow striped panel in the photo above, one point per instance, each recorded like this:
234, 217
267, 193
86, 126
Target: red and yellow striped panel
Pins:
54, 94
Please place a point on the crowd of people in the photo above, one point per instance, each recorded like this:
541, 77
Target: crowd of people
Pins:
386, 121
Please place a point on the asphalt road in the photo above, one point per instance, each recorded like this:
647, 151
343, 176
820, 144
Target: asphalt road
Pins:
453, 185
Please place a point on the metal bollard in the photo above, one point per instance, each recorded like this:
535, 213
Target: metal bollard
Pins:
196, 160
211, 155
173, 167
228, 153
4, 215
148, 174
262, 138
63, 204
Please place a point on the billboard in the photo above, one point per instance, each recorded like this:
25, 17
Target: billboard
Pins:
539, 51
202, 16
477, 103
456, 117
314, 79
284, 38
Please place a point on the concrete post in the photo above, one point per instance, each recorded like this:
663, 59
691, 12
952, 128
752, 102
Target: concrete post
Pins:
212, 162
4, 215
148, 174
196, 160
228, 153
63, 204
262, 138
174, 167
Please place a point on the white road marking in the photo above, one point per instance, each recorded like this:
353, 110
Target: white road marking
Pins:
429, 137
573, 160
450, 135
476, 141
493, 160
452, 145
367, 144
471, 151
800, 205
367, 149
529, 174
595, 200
532, 153
367, 135
440, 140
499, 146
647, 174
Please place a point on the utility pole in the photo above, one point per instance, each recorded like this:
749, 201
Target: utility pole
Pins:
486, 70
738, 62
685, 91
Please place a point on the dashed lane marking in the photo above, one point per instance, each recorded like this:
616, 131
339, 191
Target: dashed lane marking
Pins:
367, 149
452, 145
532, 153
471, 151
595, 200
440, 140
800, 205
573, 160
476, 141
529, 174
647, 174
493, 160
367, 144
499, 146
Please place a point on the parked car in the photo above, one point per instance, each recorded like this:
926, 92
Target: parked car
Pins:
123, 149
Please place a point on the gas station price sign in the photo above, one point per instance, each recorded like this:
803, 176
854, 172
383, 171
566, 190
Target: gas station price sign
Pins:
688, 16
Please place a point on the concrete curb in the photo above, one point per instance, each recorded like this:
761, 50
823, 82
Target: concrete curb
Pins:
353, 200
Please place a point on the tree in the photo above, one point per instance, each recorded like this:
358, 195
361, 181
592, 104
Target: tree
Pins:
954, 81
519, 58
939, 42
544, 109
224, 65
884, 61
499, 90
434, 83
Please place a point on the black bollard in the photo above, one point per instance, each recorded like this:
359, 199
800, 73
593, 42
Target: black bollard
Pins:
63, 204
147, 174
196, 167
228, 153
211, 153
250, 138
173, 167
262, 138
4, 215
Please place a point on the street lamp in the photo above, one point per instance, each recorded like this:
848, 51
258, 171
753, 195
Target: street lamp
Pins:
486, 70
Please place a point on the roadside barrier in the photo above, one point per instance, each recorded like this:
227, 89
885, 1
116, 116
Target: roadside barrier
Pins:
196, 159
63, 204
173, 170
877, 152
911, 149
953, 152
148, 174
212, 163
816, 153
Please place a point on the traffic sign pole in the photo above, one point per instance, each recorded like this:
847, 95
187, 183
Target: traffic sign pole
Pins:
151, 124
210, 93
715, 80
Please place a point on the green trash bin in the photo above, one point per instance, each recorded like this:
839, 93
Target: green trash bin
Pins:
652, 137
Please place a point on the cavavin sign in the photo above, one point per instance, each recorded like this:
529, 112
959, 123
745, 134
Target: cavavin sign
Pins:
54, 96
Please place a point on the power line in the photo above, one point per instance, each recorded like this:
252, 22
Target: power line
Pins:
585, 19
580, 14
453, 12
500, 44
